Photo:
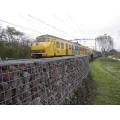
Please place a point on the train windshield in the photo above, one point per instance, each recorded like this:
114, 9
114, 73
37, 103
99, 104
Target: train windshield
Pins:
42, 39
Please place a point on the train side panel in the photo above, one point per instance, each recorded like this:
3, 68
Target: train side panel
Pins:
48, 46
59, 48
50, 49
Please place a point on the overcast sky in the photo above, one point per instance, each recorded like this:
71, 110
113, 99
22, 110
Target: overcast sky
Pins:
76, 18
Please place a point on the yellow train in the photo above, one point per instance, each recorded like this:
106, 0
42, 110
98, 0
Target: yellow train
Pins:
48, 46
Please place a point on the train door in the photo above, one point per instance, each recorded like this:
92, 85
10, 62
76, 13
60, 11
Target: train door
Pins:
54, 47
66, 48
79, 50
73, 52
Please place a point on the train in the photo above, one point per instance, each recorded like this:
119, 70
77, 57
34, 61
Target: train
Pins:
52, 46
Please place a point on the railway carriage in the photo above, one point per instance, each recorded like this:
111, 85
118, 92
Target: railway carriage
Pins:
48, 46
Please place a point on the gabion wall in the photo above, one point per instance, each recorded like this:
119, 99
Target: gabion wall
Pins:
39, 82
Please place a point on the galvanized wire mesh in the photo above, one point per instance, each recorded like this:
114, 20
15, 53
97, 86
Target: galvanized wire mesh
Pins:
41, 83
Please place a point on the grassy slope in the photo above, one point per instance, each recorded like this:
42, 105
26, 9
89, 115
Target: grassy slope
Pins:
106, 72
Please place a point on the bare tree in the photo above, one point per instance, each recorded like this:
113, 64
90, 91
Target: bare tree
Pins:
13, 35
105, 43
2, 35
14, 43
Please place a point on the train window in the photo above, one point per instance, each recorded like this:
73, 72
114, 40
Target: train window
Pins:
62, 45
57, 45
42, 39
70, 46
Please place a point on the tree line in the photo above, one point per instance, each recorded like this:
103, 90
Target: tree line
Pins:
14, 43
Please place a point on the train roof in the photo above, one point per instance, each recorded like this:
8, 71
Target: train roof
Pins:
76, 43
47, 35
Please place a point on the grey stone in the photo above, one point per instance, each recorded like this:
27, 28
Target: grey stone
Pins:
3, 86
36, 101
38, 83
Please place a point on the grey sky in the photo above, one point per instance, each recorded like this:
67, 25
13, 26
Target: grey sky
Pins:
90, 18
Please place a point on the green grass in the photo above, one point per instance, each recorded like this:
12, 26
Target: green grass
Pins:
106, 72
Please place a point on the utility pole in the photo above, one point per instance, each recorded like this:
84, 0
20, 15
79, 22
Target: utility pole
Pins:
87, 39
95, 45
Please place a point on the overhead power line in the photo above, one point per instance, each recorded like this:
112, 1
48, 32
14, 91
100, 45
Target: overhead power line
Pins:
87, 39
47, 24
30, 20
62, 21
83, 39
76, 25
20, 26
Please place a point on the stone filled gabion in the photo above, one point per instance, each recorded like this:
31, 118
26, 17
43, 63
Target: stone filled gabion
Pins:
41, 83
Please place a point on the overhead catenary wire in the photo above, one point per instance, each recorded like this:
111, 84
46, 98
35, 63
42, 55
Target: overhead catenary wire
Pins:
76, 25
62, 21
30, 20
20, 26
52, 26
85, 40
33, 21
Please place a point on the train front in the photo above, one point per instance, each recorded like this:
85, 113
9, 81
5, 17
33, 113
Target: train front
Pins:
39, 47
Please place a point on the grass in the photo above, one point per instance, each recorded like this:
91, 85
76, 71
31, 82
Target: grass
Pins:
106, 72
